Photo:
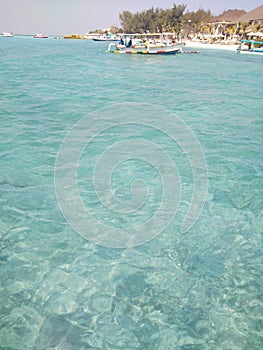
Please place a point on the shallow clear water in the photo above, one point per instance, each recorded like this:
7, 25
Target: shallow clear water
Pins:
193, 290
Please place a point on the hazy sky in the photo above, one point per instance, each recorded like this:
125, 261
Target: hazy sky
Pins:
81, 16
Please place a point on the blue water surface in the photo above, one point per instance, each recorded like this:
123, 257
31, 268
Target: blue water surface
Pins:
198, 290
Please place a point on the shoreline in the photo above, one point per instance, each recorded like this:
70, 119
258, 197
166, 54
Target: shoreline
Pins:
196, 44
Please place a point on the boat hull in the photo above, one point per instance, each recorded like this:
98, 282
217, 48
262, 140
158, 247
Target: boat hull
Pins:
156, 52
7, 35
110, 40
250, 52
251, 47
40, 37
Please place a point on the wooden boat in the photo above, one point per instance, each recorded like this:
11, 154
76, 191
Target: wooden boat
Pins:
250, 47
145, 44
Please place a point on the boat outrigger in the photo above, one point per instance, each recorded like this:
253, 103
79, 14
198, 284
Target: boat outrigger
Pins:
250, 46
146, 44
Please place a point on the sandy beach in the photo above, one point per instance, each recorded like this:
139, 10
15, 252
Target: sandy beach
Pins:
196, 44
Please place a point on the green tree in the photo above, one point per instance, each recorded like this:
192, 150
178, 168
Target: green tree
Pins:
174, 18
197, 19
242, 29
230, 31
153, 20
126, 18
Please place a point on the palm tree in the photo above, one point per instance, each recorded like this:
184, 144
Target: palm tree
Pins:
230, 31
241, 29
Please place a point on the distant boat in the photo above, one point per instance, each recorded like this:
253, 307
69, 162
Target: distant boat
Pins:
40, 36
75, 36
250, 47
106, 38
7, 35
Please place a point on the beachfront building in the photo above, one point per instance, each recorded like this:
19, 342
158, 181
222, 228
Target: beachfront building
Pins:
251, 24
226, 19
232, 25
223, 27
254, 17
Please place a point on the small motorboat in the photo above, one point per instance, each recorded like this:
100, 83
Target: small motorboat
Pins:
106, 38
40, 36
7, 35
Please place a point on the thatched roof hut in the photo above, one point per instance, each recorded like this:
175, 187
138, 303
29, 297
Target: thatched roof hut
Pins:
255, 16
229, 16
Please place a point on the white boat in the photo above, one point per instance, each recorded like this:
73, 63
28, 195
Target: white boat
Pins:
250, 47
40, 36
145, 44
7, 35
106, 38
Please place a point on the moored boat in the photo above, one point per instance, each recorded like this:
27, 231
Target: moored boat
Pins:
40, 36
106, 37
75, 36
7, 35
145, 44
250, 47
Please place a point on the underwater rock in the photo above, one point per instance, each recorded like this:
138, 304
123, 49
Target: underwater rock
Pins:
132, 286
58, 333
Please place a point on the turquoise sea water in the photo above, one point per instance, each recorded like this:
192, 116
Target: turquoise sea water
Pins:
196, 290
